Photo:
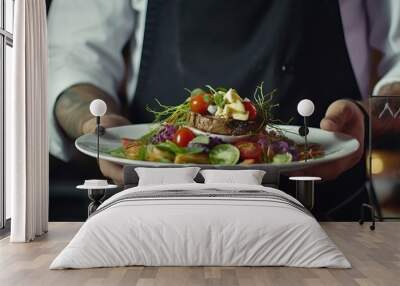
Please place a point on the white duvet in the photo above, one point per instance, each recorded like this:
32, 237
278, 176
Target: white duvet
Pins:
190, 231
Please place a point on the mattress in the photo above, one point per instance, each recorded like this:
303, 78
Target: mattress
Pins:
201, 225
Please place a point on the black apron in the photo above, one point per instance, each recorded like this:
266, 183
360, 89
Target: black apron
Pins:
296, 47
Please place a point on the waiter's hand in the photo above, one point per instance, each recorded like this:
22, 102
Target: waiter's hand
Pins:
109, 169
346, 117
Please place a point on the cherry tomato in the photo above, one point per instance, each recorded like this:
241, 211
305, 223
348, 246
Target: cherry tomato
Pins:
183, 136
249, 106
199, 103
249, 150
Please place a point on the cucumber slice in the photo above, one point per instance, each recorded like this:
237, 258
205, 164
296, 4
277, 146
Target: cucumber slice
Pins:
282, 158
224, 154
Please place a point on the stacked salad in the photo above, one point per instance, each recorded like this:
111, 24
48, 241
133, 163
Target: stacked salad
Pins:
194, 132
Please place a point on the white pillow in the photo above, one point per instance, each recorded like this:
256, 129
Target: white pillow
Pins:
166, 176
247, 177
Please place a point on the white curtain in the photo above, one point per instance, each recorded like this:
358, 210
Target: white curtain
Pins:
26, 124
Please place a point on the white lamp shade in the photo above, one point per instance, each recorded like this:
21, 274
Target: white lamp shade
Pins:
305, 107
98, 107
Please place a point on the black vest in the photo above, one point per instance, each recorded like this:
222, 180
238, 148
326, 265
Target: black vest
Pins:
296, 47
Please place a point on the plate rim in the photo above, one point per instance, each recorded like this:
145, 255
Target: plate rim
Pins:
291, 165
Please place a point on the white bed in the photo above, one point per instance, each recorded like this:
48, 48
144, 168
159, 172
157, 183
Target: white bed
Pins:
222, 225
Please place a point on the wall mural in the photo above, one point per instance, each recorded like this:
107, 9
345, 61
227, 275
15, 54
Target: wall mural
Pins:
223, 95
388, 111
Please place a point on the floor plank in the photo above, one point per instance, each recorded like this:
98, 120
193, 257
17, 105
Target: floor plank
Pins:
375, 257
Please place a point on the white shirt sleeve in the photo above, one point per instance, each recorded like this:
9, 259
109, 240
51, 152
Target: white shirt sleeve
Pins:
86, 39
384, 23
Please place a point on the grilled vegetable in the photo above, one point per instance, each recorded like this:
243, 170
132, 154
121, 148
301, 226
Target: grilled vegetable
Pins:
133, 149
247, 162
155, 154
190, 158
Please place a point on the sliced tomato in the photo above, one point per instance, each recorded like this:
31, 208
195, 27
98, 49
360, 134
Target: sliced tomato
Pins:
249, 106
249, 150
199, 103
183, 136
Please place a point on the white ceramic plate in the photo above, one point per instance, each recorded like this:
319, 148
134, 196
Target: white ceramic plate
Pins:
336, 146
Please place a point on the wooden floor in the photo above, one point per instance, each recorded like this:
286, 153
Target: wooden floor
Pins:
375, 256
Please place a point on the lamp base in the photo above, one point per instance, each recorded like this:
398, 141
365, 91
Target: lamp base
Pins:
305, 193
96, 196
305, 190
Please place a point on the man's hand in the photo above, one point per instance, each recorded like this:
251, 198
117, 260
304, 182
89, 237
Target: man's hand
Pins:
390, 89
109, 169
107, 121
73, 115
346, 117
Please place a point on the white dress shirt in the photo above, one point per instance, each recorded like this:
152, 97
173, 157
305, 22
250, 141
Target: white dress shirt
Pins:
86, 39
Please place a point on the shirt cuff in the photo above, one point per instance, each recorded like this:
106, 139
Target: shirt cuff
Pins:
389, 76
384, 81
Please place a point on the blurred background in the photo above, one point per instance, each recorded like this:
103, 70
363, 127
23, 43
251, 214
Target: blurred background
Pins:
384, 158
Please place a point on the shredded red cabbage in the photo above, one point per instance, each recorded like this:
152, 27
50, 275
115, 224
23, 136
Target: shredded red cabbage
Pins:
166, 132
